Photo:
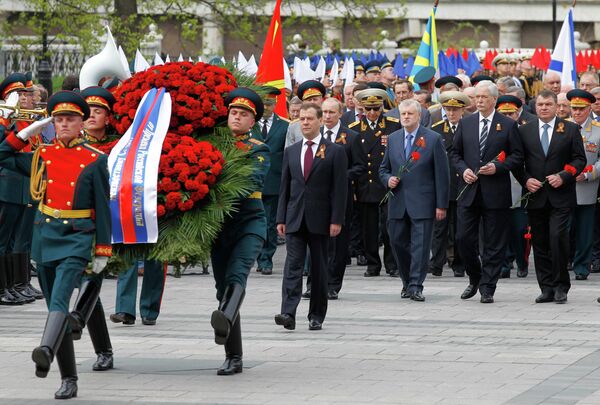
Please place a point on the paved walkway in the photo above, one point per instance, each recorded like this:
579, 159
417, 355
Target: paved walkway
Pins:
374, 348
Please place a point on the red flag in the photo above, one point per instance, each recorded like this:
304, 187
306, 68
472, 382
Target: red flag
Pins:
465, 54
487, 60
579, 63
596, 59
537, 59
270, 68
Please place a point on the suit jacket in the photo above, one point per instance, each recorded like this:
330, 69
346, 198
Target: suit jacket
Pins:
502, 136
425, 186
294, 133
444, 129
373, 143
526, 117
348, 118
425, 116
276, 143
321, 199
566, 147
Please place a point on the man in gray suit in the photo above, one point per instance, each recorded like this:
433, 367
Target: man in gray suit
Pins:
404, 90
419, 195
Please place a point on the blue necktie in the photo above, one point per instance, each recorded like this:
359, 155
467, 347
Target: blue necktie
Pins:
597, 118
408, 146
545, 139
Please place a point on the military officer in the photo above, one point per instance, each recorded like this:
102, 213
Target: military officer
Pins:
373, 130
442, 246
272, 129
241, 239
446, 83
359, 72
70, 181
373, 71
502, 64
587, 181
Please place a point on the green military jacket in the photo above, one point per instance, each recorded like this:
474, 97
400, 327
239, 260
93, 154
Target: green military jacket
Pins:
14, 187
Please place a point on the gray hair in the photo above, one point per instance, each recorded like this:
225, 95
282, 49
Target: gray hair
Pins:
517, 90
295, 100
465, 79
410, 103
595, 90
507, 81
593, 75
490, 86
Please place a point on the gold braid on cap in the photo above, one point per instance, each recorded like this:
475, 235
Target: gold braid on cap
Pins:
37, 185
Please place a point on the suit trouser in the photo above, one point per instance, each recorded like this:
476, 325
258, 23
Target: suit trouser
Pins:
515, 248
338, 252
596, 244
443, 244
484, 272
370, 217
232, 262
296, 244
356, 238
583, 221
411, 242
58, 279
550, 240
153, 284
265, 258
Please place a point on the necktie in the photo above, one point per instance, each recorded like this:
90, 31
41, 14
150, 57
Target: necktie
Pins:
453, 128
328, 135
308, 159
545, 139
373, 124
265, 129
483, 137
408, 146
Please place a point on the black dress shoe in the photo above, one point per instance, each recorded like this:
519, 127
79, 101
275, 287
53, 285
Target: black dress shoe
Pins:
521, 273
371, 274
306, 294
544, 297
560, 297
458, 273
103, 362
436, 272
417, 296
406, 294
332, 295
395, 273
267, 272
595, 268
68, 389
361, 260
232, 365
259, 269
469, 292
581, 277
313, 324
486, 299
122, 317
148, 321
286, 321
505, 274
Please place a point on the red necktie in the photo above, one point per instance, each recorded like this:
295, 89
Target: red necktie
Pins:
308, 159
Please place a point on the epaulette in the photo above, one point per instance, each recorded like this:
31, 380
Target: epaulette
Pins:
355, 123
595, 123
88, 146
255, 141
434, 107
284, 119
437, 123
570, 119
392, 119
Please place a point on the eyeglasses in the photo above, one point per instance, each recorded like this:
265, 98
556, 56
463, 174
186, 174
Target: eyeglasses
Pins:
372, 108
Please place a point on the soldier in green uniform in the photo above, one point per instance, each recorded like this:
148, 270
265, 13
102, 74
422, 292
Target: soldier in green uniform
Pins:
70, 181
272, 130
243, 234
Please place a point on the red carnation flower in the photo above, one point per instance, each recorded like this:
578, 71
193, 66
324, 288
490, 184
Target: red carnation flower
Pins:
415, 156
588, 169
570, 169
501, 156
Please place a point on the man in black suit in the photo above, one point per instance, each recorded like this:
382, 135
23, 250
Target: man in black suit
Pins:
357, 112
335, 132
478, 141
312, 204
549, 144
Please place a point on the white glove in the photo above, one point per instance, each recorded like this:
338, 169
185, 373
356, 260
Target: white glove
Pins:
11, 101
34, 129
100, 263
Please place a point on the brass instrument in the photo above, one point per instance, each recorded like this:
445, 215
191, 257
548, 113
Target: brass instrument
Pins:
24, 114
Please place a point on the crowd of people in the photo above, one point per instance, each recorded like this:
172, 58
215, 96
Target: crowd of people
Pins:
469, 172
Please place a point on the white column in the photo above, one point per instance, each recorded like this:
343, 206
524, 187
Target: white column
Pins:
212, 38
510, 33
414, 28
597, 31
333, 30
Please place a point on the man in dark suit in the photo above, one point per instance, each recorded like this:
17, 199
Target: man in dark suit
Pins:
312, 203
478, 141
549, 144
272, 130
420, 195
334, 132
357, 112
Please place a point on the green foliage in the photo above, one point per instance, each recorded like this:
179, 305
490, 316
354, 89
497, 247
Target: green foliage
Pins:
463, 34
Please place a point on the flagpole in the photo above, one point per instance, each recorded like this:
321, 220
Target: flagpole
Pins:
553, 22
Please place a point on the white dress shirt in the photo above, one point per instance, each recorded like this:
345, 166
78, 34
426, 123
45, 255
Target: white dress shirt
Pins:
269, 123
334, 131
314, 147
489, 123
550, 130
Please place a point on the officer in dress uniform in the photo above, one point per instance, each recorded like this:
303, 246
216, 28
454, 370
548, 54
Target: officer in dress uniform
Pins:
443, 243
243, 234
373, 130
88, 310
70, 181
16, 210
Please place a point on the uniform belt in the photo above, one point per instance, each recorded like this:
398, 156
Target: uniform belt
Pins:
256, 194
56, 213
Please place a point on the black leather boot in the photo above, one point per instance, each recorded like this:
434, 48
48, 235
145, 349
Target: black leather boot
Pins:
222, 319
233, 351
21, 276
84, 305
26, 268
43, 355
100, 339
6, 298
10, 280
65, 357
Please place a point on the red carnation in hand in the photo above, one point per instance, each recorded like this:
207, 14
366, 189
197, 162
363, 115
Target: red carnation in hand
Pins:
588, 169
415, 155
501, 156
570, 169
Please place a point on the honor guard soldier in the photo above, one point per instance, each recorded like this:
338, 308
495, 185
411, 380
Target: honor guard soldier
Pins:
502, 64
16, 210
243, 234
443, 246
70, 181
373, 130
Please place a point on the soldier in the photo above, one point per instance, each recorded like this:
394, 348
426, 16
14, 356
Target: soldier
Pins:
587, 182
502, 64
443, 244
373, 71
273, 129
373, 130
243, 234
446, 83
70, 180
359, 72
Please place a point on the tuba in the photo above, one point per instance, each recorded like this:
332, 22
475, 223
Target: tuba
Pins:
108, 62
